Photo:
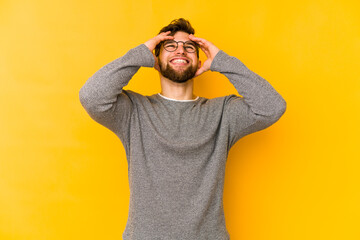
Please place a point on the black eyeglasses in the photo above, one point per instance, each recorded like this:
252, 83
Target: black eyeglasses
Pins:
171, 46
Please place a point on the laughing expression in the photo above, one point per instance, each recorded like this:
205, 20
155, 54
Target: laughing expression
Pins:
178, 66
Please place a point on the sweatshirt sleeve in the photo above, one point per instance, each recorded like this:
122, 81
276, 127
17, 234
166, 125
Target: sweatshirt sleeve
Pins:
103, 96
260, 105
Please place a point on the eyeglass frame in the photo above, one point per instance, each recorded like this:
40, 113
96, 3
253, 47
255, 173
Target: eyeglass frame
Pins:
177, 46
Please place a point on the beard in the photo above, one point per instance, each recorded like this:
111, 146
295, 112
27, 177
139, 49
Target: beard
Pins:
179, 76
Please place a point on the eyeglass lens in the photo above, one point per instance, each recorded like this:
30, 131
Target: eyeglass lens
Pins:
171, 46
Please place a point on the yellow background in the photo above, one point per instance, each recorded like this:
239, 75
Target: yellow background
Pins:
63, 176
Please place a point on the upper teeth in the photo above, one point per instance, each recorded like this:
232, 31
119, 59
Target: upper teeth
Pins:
179, 61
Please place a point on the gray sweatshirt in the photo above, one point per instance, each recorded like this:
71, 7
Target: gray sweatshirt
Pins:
177, 150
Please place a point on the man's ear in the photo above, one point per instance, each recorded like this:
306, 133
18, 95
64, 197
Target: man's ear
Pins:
199, 64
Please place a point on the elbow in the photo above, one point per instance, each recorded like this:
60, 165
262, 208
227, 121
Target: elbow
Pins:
85, 98
274, 112
281, 107
93, 103
278, 110
89, 104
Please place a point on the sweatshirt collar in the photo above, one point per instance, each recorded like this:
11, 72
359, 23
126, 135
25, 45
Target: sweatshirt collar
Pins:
171, 99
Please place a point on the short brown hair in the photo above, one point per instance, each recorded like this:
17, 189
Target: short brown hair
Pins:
175, 26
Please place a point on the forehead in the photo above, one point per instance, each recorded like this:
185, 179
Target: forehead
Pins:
181, 36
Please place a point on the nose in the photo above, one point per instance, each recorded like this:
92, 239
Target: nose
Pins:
180, 49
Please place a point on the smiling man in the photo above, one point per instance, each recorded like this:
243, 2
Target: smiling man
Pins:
178, 67
177, 143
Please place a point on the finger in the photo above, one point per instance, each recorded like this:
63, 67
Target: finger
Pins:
164, 36
167, 37
204, 44
205, 49
197, 39
200, 71
201, 41
165, 33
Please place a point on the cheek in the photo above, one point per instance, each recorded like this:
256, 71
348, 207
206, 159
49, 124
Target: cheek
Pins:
162, 63
163, 53
163, 58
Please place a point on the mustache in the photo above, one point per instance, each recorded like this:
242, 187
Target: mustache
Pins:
177, 76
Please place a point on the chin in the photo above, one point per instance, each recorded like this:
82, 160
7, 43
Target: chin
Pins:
178, 76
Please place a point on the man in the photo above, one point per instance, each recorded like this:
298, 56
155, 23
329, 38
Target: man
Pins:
177, 143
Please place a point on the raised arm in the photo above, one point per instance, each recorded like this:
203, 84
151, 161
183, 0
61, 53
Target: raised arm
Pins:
102, 95
260, 106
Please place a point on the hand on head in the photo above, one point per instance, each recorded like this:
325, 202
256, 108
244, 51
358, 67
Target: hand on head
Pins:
151, 44
210, 51
207, 47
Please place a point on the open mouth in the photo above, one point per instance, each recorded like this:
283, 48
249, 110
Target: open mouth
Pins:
179, 61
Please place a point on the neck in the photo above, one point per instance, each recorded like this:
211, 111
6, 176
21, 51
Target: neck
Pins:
178, 91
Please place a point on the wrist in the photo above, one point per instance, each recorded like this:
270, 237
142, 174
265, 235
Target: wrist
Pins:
150, 46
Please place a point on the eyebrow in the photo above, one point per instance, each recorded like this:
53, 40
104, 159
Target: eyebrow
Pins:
190, 42
180, 41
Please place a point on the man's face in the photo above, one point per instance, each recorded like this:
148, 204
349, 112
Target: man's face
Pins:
178, 66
